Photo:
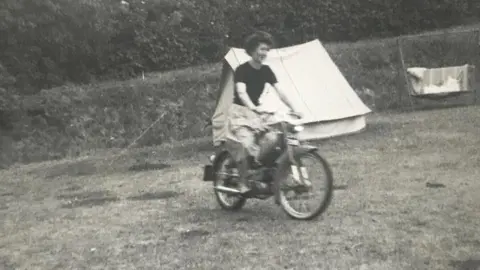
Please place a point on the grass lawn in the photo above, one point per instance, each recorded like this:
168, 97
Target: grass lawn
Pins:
412, 201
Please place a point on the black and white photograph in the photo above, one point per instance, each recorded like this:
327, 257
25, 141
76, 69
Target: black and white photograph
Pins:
239, 134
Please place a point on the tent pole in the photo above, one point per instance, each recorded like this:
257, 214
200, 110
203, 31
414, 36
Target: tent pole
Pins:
404, 71
474, 74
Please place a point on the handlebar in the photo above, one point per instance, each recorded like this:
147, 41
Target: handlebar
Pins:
290, 113
295, 115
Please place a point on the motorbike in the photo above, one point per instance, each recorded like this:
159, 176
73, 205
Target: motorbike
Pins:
281, 174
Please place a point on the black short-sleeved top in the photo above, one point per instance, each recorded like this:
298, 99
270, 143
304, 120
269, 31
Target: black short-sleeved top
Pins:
254, 79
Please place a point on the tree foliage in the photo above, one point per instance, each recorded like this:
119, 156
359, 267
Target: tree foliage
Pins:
46, 43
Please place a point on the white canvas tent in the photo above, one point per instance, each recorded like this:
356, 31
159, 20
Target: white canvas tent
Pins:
312, 81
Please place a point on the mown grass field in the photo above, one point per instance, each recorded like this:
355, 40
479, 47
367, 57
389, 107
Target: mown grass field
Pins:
410, 200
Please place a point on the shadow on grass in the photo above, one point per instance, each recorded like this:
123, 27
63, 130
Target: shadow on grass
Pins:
148, 166
7, 264
161, 195
340, 187
72, 169
72, 187
194, 233
251, 215
86, 199
466, 265
90, 202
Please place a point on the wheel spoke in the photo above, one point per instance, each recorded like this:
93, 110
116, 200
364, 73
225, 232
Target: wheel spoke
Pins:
224, 177
300, 205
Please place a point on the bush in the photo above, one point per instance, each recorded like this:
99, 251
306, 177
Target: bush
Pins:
70, 120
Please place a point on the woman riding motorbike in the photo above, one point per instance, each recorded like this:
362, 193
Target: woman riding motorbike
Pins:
246, 123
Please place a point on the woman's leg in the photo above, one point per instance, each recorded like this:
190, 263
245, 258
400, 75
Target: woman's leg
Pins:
267, 143
246, 136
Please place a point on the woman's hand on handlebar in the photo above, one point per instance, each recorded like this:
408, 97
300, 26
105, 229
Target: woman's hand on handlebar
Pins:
260, 110
296, 114
256, 109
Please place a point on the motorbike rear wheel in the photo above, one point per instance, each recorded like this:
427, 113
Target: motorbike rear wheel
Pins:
225, 176
327, 181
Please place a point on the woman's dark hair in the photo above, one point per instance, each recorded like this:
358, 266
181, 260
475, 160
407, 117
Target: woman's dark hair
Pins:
255, 39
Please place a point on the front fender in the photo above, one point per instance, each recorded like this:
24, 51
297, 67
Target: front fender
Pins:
305, 148
283, 171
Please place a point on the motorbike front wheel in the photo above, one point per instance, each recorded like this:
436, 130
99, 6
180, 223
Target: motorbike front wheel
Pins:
317, 171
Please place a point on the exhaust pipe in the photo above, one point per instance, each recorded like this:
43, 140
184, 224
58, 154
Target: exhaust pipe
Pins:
227, 190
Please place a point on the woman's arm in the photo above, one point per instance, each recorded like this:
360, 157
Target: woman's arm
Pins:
272, 80
283, 97
241, 89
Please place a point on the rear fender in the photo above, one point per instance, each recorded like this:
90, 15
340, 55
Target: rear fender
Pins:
210, 169
219, 156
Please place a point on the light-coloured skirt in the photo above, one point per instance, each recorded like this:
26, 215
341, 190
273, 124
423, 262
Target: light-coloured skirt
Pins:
242, 117
245, 126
